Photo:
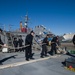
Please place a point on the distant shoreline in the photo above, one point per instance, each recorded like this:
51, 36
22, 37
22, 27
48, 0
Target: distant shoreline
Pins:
69, 46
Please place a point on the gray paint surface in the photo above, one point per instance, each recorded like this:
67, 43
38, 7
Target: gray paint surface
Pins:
52, 66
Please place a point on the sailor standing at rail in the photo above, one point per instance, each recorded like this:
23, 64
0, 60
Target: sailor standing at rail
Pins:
20, 42
28, 49
15, 42
0, 37
1, 42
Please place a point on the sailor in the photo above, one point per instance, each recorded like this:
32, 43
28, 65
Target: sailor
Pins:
73, 40
2, 45
54, 46
58, 42
15, 42
20, 42
44, 47
0, 37
28, 49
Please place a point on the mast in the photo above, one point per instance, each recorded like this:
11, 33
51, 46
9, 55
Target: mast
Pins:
26, 21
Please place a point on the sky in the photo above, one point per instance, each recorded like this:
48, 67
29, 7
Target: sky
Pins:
58, 16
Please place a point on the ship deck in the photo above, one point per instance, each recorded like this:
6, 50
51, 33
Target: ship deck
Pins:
15, 64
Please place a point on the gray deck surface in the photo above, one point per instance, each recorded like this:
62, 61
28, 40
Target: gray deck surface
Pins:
51, 66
